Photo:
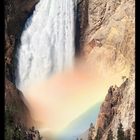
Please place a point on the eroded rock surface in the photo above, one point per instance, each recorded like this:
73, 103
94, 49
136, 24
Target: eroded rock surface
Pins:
109, 44
109, 39
15, 101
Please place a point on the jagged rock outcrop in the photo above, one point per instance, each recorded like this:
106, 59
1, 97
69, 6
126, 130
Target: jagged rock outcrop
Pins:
119, 105
18, 120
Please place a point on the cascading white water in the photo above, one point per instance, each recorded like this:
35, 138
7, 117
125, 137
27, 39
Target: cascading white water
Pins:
47, 42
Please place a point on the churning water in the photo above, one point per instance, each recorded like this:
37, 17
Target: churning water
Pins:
47, 42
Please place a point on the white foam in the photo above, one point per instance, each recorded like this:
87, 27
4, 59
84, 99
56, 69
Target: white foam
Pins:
47, 43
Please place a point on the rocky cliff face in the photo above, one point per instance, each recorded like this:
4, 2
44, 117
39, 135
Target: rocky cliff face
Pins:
18, 121
109, 39
119, 105
15, 101
109, 43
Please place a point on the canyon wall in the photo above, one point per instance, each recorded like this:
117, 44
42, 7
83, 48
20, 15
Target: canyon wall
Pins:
109, 38
109, 43
118, 106
15, 101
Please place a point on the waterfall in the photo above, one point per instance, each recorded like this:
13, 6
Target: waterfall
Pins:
47, 42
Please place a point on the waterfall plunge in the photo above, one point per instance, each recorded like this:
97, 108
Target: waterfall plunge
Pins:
47, 42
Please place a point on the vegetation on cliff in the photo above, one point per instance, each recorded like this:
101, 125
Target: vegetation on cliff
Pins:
18, 131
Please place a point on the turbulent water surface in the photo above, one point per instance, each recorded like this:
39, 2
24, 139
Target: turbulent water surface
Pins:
47, 42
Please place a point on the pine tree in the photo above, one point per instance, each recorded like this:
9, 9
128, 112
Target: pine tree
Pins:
120, 132
110, 135
91, 132
91, 125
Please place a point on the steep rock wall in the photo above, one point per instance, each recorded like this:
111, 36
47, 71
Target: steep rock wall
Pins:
109, 40
109, 44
